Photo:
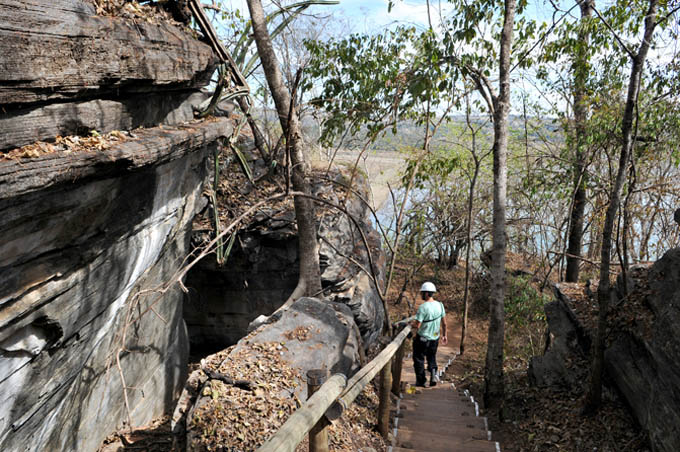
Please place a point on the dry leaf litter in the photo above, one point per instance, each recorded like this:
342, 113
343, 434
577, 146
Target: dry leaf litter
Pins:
232, 419
133, 10
94, 142
69, 144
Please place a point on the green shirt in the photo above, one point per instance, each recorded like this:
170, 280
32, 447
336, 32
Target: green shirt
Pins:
430, 316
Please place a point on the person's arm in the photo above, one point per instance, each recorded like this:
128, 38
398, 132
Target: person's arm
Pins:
415, 322
403, 322
444, 339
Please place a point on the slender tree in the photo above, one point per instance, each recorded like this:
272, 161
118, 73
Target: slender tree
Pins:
594, 395
493, 375
580, 71
477, 162
309, 282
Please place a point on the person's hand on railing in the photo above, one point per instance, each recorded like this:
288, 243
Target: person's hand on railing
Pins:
398, 326
401, 324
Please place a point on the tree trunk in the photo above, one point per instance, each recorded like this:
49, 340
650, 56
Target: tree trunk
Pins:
468, 231
407, 191
581, 68
594, 396
493, 376
468, 235
309, 282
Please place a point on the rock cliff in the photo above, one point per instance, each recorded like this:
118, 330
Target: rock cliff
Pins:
644, 361
90, 330
88, 235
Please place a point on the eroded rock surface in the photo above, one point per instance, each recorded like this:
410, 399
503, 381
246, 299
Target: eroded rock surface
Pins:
262, 272
567, 344
90, 235
61, 50
643, 347
77, 255
311, 334
645, 366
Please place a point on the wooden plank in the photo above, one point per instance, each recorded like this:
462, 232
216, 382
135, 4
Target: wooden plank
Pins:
468, 448
443, 405
452, 418
152, 146
206, 27
451, 427
384, 406
62, 50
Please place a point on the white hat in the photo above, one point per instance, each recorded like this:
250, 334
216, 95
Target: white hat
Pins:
428, 287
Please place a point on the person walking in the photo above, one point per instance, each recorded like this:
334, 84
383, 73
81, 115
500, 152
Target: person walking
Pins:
430, 324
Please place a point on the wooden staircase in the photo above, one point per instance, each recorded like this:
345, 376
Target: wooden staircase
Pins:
440, 418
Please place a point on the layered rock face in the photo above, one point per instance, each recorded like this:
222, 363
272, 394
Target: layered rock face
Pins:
91, 237
64, 70
262, 272
643, 350
645, 365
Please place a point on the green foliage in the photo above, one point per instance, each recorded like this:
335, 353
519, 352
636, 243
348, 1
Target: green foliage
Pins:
524, 304
435, 168
374, 81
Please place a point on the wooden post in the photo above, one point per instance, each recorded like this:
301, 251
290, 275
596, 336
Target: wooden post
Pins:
396, 369
318, 435
384, 407
301, 422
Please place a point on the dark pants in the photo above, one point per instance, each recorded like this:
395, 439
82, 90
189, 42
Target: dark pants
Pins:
424, 350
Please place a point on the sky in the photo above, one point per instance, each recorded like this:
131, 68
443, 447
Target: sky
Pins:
372, 16
368, 16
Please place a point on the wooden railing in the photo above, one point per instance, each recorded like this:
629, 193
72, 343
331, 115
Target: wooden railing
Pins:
333, 396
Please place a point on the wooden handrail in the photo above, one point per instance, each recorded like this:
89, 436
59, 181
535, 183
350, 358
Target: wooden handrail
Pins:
333, 397
293, 431
358, 382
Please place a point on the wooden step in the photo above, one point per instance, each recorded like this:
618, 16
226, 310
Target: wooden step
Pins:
433, 395
408, 439
451, 418
465, 448
426, 426
485, 446
440, 418
439, 407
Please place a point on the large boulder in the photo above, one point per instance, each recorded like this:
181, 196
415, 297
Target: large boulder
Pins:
642, 356
644, 361
310, 334
567, 344
352, 260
